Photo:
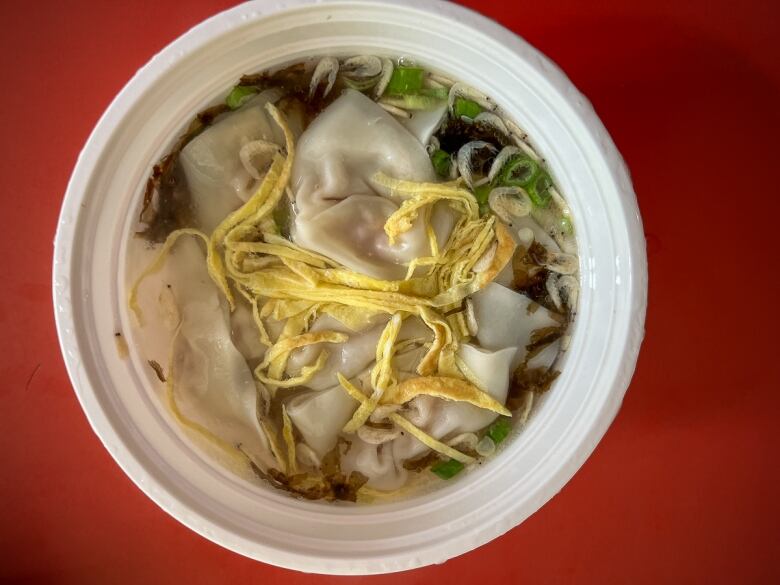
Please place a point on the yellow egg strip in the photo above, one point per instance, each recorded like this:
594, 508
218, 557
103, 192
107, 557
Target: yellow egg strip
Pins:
289, 439
405, 424
446, 388
467, 373
302, 340
259, 205
429, 441
277, 250
270, 434
382, 375
307, 373
442, 336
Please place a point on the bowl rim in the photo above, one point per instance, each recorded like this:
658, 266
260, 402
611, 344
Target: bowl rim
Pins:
145, 77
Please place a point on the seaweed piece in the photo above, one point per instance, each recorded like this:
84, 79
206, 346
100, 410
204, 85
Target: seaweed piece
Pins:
157, 370
454, 133
536, 380
541, 338
330, 484
421, 463
173, 208
294, 81
530, 277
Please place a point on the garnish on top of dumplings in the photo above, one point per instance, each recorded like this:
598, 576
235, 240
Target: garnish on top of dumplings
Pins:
366, 274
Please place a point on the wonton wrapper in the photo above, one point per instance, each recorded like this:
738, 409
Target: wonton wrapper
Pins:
213, 385
341, 212
503, 319
442, 419
217, 179
320, 415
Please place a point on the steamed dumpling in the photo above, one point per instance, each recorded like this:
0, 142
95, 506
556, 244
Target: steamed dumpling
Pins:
341, 212
442, 419
504, 320
212, 382
217, 179
320, 415
423, 123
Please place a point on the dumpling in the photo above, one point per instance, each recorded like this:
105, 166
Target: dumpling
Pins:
320, 415
423, 123
340, 211
216, 177
503, 319
442, 419
244, 332
212, 383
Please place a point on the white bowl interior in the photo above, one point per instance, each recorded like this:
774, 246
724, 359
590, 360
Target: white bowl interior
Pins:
117, 395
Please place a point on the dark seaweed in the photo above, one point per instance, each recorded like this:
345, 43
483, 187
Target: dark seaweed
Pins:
173, 207
536, 380
454, 133
330, 484
167, 204
422, 463
541, 338
157, 370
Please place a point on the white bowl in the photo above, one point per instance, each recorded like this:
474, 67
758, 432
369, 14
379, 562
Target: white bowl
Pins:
102, 200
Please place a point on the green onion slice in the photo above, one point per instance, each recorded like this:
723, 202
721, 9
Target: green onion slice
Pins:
447, 469
238, 95
482, 194
405, 80
440, 93
441, 163
466, 108
539, 191
499, 430
519, 171
412, 101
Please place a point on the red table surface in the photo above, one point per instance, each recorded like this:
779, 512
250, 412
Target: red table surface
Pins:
683, 488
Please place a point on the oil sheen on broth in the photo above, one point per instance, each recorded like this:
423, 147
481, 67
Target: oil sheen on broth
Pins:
357, 273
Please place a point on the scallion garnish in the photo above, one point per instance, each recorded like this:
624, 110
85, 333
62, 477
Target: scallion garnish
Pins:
447, 469
405, 80
238, 95
539, 191
440, 93
412, 101
499, 430
466, 108
482, 194
519, 171
441, 163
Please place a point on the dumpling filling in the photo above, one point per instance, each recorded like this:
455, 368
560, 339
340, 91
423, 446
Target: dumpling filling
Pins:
366, 274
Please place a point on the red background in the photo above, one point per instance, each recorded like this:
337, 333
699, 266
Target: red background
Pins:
683, 488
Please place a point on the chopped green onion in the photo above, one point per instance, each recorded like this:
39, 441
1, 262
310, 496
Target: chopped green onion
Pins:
238, 95
519, 171
539, 191
447, 469
440, 93
405, 80
441, 163
412, 101
463, 107
499, 430
481, 194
